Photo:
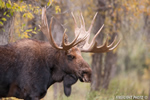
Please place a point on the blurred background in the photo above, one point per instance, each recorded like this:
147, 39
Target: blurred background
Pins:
122, 72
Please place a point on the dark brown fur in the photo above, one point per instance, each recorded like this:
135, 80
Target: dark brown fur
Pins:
28, 67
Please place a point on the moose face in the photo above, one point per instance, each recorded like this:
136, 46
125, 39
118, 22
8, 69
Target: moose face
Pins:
74, 63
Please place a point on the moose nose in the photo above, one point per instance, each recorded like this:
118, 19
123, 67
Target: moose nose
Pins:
86, 75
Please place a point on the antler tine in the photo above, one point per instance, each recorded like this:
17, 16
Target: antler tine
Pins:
92, 22
75, 22
51, 40
97, 33
90, 28
83, 39
87, 45
77, 29
115, 45
80, 30
68, 46
113, 42
44, 24
82, 23
73, 43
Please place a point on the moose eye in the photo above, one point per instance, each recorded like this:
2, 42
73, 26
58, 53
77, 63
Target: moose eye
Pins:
70, 57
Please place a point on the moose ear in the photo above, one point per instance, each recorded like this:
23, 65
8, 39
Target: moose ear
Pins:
68, 81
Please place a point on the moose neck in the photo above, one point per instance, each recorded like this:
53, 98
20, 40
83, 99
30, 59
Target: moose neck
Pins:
53, 57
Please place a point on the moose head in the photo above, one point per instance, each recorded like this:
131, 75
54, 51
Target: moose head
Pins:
70, 53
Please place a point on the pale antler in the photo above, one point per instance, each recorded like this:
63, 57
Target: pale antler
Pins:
92, 47
47, 31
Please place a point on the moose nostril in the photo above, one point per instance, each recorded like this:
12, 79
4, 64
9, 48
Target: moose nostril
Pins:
84, 72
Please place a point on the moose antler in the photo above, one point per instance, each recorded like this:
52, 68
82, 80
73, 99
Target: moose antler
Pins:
92, 47
47, 32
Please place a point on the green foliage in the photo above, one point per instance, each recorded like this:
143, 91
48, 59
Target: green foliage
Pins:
3, 19
57, 9
23, 13
26, 10
1, 23
50, 2
2, 4
20, 6
26, 33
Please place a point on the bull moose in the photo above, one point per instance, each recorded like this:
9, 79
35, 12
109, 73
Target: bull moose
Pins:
29, 67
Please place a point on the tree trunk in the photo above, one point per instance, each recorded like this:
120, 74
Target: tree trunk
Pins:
97, 58
111, 57
6, 28
110, 61
102, 64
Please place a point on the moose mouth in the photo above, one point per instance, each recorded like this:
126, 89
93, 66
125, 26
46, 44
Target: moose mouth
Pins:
84, 78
